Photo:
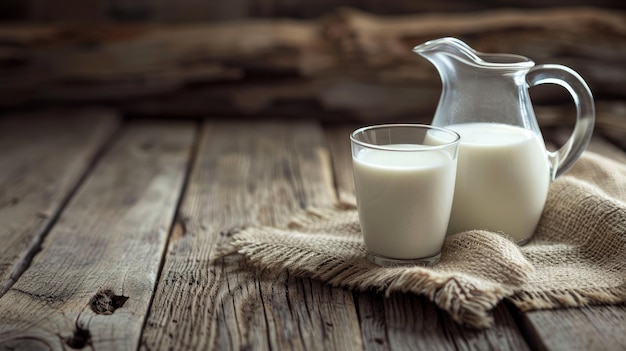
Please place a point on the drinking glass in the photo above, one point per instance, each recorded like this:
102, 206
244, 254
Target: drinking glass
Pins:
404, 176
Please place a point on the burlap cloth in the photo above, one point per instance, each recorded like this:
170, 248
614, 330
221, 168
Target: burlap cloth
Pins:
577, 256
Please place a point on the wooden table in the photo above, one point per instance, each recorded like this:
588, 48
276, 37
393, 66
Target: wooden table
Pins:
110, 228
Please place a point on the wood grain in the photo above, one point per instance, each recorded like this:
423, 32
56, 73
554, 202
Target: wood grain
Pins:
406, 321
92, 282
341, 154
248, 174
585, 328
43, 158
413, 322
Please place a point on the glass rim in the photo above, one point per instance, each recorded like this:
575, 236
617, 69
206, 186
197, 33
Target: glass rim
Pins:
457, 137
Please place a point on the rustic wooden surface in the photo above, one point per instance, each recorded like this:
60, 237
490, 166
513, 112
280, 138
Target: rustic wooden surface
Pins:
93, 280
43, 158
247, 174
131, 262
588, 328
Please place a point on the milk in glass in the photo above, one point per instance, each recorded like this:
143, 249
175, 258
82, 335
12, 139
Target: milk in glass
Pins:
404, 199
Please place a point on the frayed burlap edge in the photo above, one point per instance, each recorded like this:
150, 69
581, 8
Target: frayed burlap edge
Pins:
465, 303
473, 310
545, 300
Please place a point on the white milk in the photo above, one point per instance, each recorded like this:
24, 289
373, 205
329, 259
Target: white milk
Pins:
503, 174
404, 200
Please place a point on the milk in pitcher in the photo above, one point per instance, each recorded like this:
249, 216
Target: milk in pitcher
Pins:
502, 181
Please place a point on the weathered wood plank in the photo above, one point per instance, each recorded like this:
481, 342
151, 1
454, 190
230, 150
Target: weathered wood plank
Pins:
92, 283
415, 323
405, 321
43, 158
587, 328
341, 154
248, 174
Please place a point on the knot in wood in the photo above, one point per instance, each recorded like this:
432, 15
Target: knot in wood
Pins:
106, 302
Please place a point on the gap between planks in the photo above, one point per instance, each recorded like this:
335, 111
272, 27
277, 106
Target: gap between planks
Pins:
105, 250
248, 174
46, 150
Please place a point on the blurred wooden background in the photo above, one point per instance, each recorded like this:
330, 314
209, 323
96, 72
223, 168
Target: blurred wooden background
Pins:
332, 60
210, 10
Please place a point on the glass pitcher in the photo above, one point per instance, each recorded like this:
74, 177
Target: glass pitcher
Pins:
504, 169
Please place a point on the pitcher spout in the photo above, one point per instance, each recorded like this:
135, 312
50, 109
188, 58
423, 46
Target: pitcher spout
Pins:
453, 48
449, 45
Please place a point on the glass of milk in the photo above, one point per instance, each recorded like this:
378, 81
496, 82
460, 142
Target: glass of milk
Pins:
404, 175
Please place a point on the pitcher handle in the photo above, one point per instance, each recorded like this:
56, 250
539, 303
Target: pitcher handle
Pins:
564, 158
